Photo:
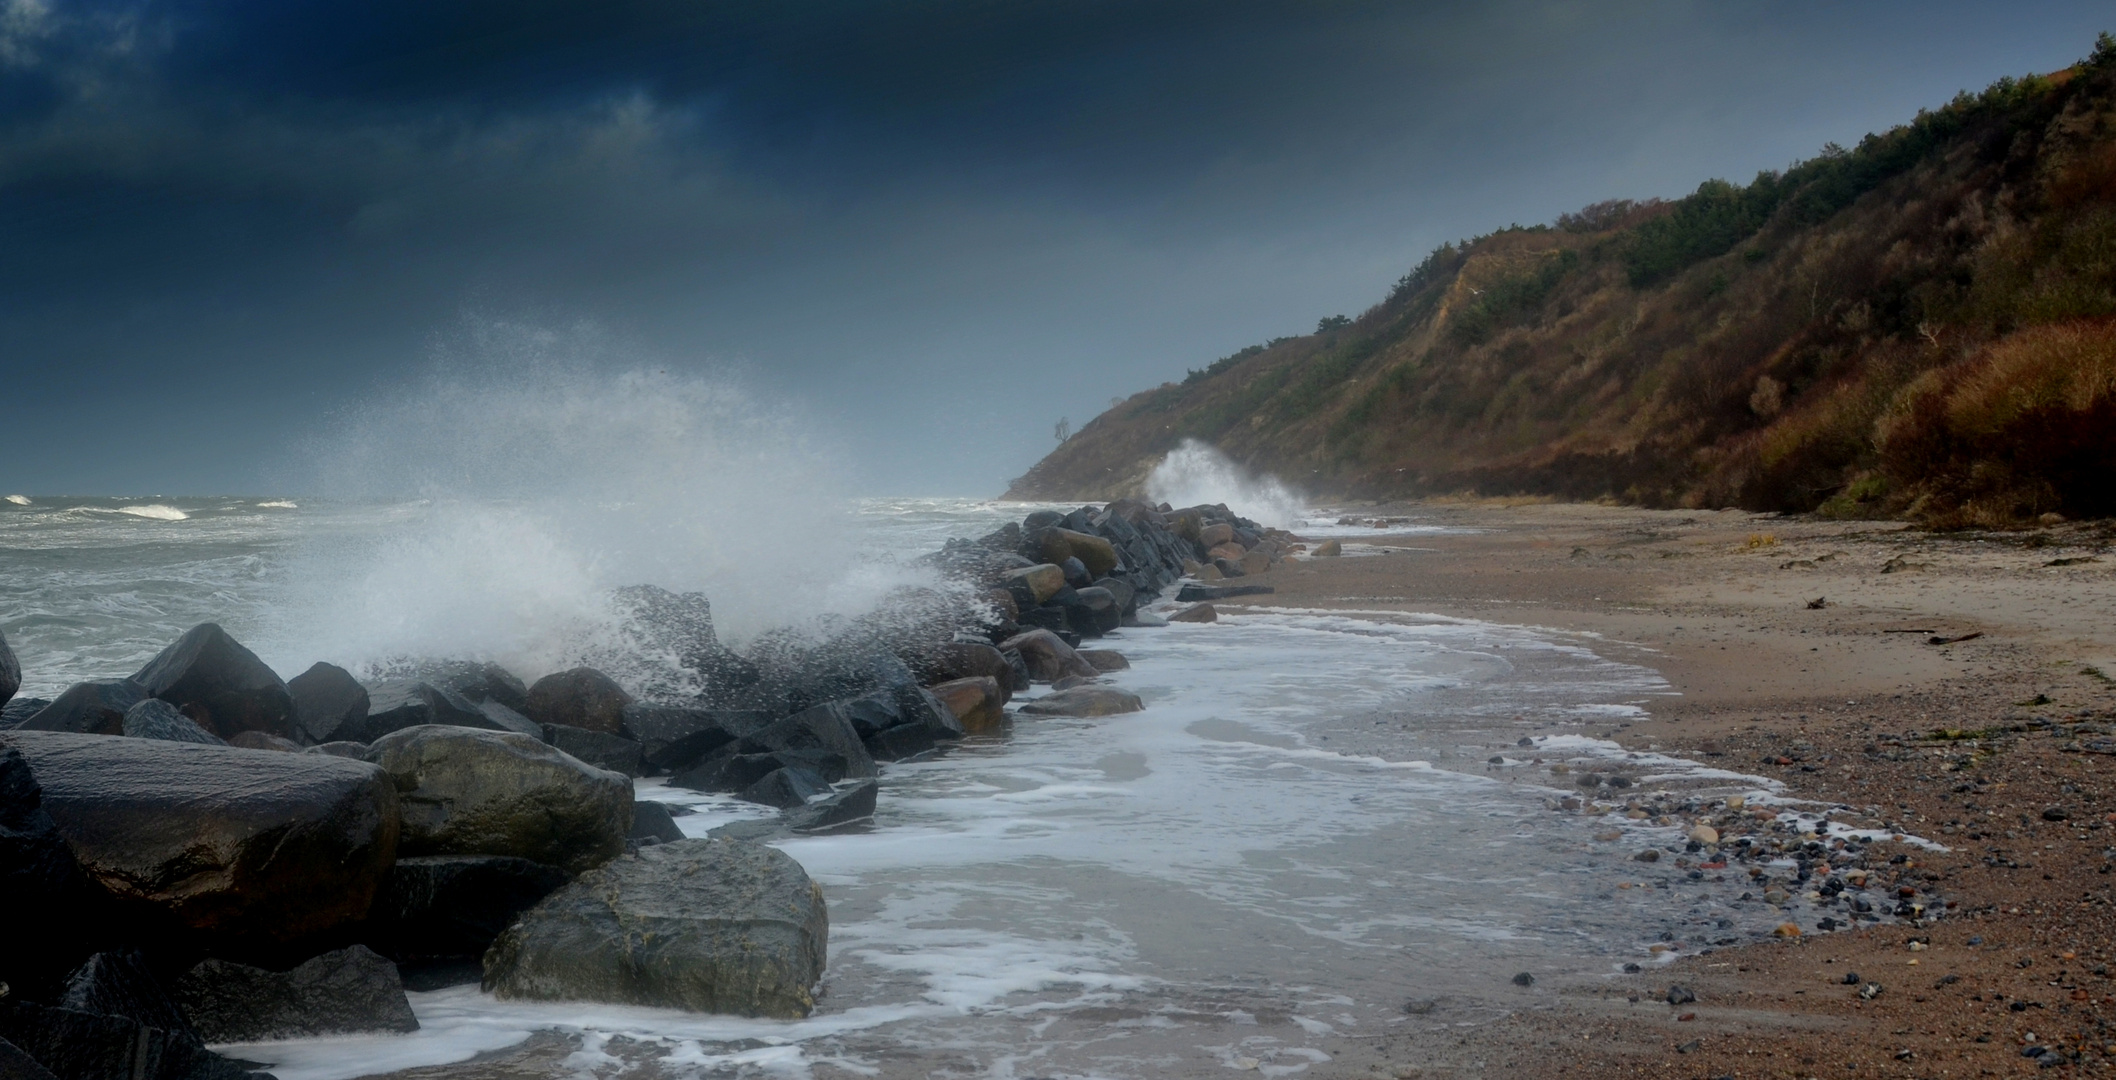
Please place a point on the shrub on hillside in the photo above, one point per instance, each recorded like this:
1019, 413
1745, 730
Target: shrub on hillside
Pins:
2025, 426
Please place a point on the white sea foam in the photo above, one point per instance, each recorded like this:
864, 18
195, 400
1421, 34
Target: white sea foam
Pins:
551, 472
19, 500
155, 511
279, 504
1195, 473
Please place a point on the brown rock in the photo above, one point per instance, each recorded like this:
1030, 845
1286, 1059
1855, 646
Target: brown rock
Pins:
1085, 701
1048, 657
1002, 604
1055, 545
1043, 580
1200, 613
1071, 681
1208, 572
1213, 536
1329, 549
581, 698
1105, 660
1255, 562
979, 702
1230, 551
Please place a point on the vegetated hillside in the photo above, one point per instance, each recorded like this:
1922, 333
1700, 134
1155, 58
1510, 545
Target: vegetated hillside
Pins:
1923, 325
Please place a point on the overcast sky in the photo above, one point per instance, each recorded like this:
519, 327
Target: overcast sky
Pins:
931, 228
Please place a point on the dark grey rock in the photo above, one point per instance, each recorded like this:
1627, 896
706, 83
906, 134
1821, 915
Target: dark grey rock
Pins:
850, 807
355, 750
121, 983
707, 925
436, 907
220, 684
899, 743
397, 704
329, 704
41, 887
96, 707
501, 718
16, 1065
680, 626
1193, 593
581, 698
75, 1045
244, 853
672, 738
467, 792
818, 728
157, 719
786, 788
10, 672
477, 682
338, 993
652, 821
613, 752
14, 713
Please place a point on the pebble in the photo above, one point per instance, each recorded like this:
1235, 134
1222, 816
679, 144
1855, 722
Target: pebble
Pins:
1786, 930
1524, 979
1705, 834
1648, 855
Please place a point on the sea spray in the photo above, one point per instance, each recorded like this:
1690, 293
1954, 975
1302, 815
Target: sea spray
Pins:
1195, 473
525, 481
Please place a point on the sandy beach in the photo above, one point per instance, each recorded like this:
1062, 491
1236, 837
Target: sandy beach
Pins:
1953, 686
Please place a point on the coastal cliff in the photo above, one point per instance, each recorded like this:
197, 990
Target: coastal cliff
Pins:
1923, 325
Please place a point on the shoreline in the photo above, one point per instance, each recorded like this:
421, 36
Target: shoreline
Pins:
1822, 699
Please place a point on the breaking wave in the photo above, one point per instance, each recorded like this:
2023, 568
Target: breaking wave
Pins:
1195, 473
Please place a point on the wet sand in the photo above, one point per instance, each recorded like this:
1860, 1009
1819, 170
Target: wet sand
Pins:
1998, 746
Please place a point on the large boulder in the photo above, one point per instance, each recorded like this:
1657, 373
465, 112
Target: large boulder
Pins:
1032, 585
10, 672
478, 682
157, 719
338, 993
671, 738
244, 853
613, 752
978, 703
1084, 701
122, 983
1053, 544
708, 925
679, 627
440, 907
329, 704
581, 698
18, 711
16, 1065
76, 1045
1048, 657
961, 660
1105, 660
96, 707
43, 894
407, 703
652, 823
220, 684
462, 791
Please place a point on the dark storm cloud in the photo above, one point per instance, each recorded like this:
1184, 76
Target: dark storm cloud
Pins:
938, 225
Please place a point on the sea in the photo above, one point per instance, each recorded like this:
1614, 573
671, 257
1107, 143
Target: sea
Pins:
1326, 826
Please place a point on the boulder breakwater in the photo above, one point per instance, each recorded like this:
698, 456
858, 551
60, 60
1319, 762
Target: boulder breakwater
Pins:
209, 853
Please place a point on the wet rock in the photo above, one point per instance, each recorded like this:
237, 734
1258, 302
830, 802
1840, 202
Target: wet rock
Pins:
1076, 574
1048, 658
75, 1045
338, 993
1226, 553
121, 983
1681, 995
157, 719
1033, 585
824, 727
1329, 549
582, 697
977, 703
1084, 701
1071, 681
397, 704
40, 886
1202, 613
10, 672
900, 743
671, 738
466, 792
2056, 813
248, 854
1648, 855
612, 752
258, 740
478, 682
1212, 536
733, 772
785, 788
680, 625
850, 807
1705, 834
1105, 614
652, 821
1524, 979
1190, 593
1105, 660
215, 681
1254, 562
953, 660
96, 707
499, 717
355, 750
14, 713
1054, 545
16, 1065
328, 701
707, 925
438, 907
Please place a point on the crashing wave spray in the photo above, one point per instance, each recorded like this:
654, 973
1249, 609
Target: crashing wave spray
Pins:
519, 488
1195, 473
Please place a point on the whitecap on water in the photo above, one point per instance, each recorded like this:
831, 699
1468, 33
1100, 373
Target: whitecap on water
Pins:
19, 500
155, 512
279, 504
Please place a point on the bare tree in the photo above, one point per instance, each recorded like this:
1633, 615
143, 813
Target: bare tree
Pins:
1064, 430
